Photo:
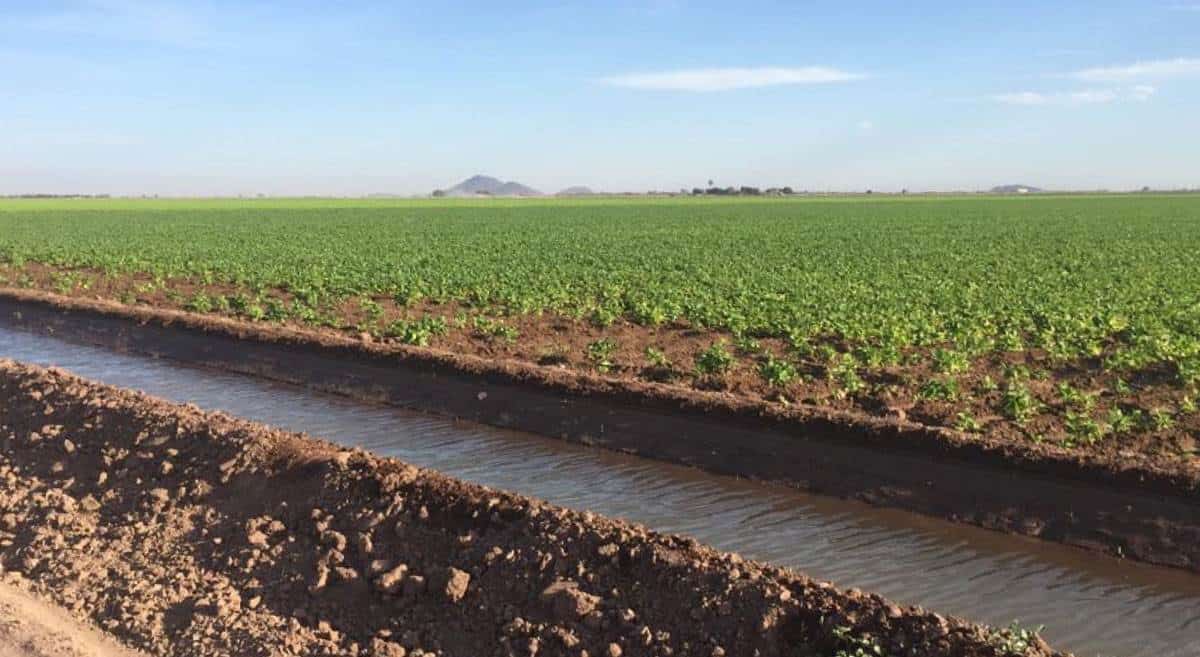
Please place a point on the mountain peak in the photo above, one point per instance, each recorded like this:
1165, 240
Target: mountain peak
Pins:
577, 190
481, 184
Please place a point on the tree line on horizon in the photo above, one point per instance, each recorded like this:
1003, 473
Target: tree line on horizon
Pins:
744, 190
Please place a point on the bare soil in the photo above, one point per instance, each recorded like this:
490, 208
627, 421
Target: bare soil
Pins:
190, 533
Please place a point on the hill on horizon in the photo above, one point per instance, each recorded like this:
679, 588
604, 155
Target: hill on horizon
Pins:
576, 190
1016, 189
481, 184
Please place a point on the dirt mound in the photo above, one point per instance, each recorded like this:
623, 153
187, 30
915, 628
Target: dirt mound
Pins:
191, 533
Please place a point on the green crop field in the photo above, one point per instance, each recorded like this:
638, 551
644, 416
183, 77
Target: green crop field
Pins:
1083, 311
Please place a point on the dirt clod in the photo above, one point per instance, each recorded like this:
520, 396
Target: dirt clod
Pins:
456, 584
568, 602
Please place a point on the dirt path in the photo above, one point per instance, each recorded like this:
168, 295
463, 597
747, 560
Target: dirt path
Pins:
30, 627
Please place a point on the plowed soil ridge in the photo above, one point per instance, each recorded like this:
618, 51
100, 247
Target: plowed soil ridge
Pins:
192, 533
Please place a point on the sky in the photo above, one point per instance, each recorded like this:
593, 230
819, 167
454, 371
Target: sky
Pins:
350, 98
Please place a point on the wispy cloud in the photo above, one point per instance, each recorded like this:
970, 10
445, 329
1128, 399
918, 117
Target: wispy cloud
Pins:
1139, 93
724, 79
1156, 69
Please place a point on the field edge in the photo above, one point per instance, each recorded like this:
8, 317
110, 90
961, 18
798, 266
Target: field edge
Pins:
1131, 509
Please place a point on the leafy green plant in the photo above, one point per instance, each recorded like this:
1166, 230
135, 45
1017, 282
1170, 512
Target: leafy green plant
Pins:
1161, 419
1015, 640
939, 390
417, 332
966, 422
648, 314
950, 362
254, 312
1082, 428
302, 312
657, 358
62, 283
1068, 394
1018, 403
715, 361
1010, 341
371, 309
275, 311
825, 353
876, 356
408, 297
199, 303
777, 372
600, 353
852, 645
746, 345
1122, 421
1188, 370
495, 329
843, 372
1017, 372
604, 316
1074, 398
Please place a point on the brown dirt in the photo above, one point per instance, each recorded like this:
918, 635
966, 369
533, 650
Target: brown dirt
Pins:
30, 627
191, 533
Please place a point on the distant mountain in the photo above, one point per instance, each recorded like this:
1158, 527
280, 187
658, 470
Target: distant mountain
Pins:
577, 190
489, 185
1015, 189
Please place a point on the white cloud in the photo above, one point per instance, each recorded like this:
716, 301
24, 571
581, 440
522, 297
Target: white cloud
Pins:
866, 126
723, 79
1162, 68
1139, 93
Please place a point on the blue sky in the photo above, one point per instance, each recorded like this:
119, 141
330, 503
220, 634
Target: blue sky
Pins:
167, 97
